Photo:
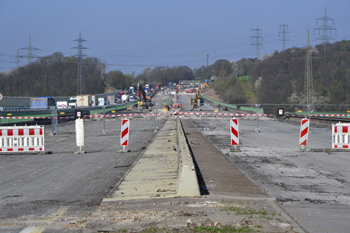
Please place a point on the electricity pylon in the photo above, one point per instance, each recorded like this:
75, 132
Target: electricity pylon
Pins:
80, 55
283, 36
257, 43
30, 54
207, 55
325, 28
308, 83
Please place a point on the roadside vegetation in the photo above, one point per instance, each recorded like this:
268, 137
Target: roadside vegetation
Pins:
276, 78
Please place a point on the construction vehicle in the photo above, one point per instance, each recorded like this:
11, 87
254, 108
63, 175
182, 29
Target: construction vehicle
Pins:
205, 84
198, 101
144, 101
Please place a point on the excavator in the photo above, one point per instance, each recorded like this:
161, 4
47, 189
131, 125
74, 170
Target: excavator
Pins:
205, 84
144, 101
198, 101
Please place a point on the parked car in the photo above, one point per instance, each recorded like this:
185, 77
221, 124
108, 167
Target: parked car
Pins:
132, 99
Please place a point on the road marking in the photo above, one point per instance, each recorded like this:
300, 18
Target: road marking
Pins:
57, 214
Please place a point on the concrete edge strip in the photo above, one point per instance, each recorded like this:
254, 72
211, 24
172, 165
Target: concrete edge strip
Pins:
109, 198
187, 175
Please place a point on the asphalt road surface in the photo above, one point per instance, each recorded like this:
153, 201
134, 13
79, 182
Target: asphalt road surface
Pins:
44, 186
312, 187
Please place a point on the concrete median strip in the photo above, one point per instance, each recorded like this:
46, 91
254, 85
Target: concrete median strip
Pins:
165, 169
188, 182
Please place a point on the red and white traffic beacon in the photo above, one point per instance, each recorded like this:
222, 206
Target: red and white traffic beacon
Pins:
234, 131
124, 134
304, 132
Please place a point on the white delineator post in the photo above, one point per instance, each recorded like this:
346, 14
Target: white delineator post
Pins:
234, 132
304, 132
124, 134
79, 131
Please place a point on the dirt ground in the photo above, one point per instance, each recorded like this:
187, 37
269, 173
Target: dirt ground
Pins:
210, 93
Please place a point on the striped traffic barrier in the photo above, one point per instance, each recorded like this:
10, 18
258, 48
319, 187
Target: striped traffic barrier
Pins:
340, 136
304, 132
234, 132
124, 134
22, 139
143, 114
319, 115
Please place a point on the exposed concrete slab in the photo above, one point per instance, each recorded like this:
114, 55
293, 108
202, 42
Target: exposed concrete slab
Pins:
155, 174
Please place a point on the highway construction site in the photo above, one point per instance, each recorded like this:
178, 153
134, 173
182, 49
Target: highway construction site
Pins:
268, 185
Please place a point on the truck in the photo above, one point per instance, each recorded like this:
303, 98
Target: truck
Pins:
83, 100
72, 102
159, 86
44, 102
93, 100
110, 100
125, 98
62, 104
101, 101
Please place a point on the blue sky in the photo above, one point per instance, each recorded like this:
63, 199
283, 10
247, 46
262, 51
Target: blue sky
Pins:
131, 35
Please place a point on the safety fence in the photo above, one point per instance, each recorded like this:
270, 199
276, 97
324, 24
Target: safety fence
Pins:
341, 136
319, 115
145, 114
293, 110
22, 139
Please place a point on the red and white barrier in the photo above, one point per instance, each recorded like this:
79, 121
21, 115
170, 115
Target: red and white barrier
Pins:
142, 114
220, 114
341, 136
124, 135
22, 139
319, 115
234, 132
304, 132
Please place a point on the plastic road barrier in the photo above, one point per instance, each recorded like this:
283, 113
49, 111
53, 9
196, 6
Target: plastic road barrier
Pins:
341, 136
234, 132
124, 135
304, 132
79, 131
22, 139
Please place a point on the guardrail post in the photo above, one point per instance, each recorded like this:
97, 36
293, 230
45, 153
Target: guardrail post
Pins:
54, 121
155, 118
309, 113
104, 131
206, 116
257, 118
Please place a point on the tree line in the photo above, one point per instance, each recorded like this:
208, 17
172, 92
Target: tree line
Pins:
276, 78
53, 75
281, 77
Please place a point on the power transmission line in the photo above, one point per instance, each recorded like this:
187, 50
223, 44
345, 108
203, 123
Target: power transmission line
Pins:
325, 28
80, 55
257, 43
283, 36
